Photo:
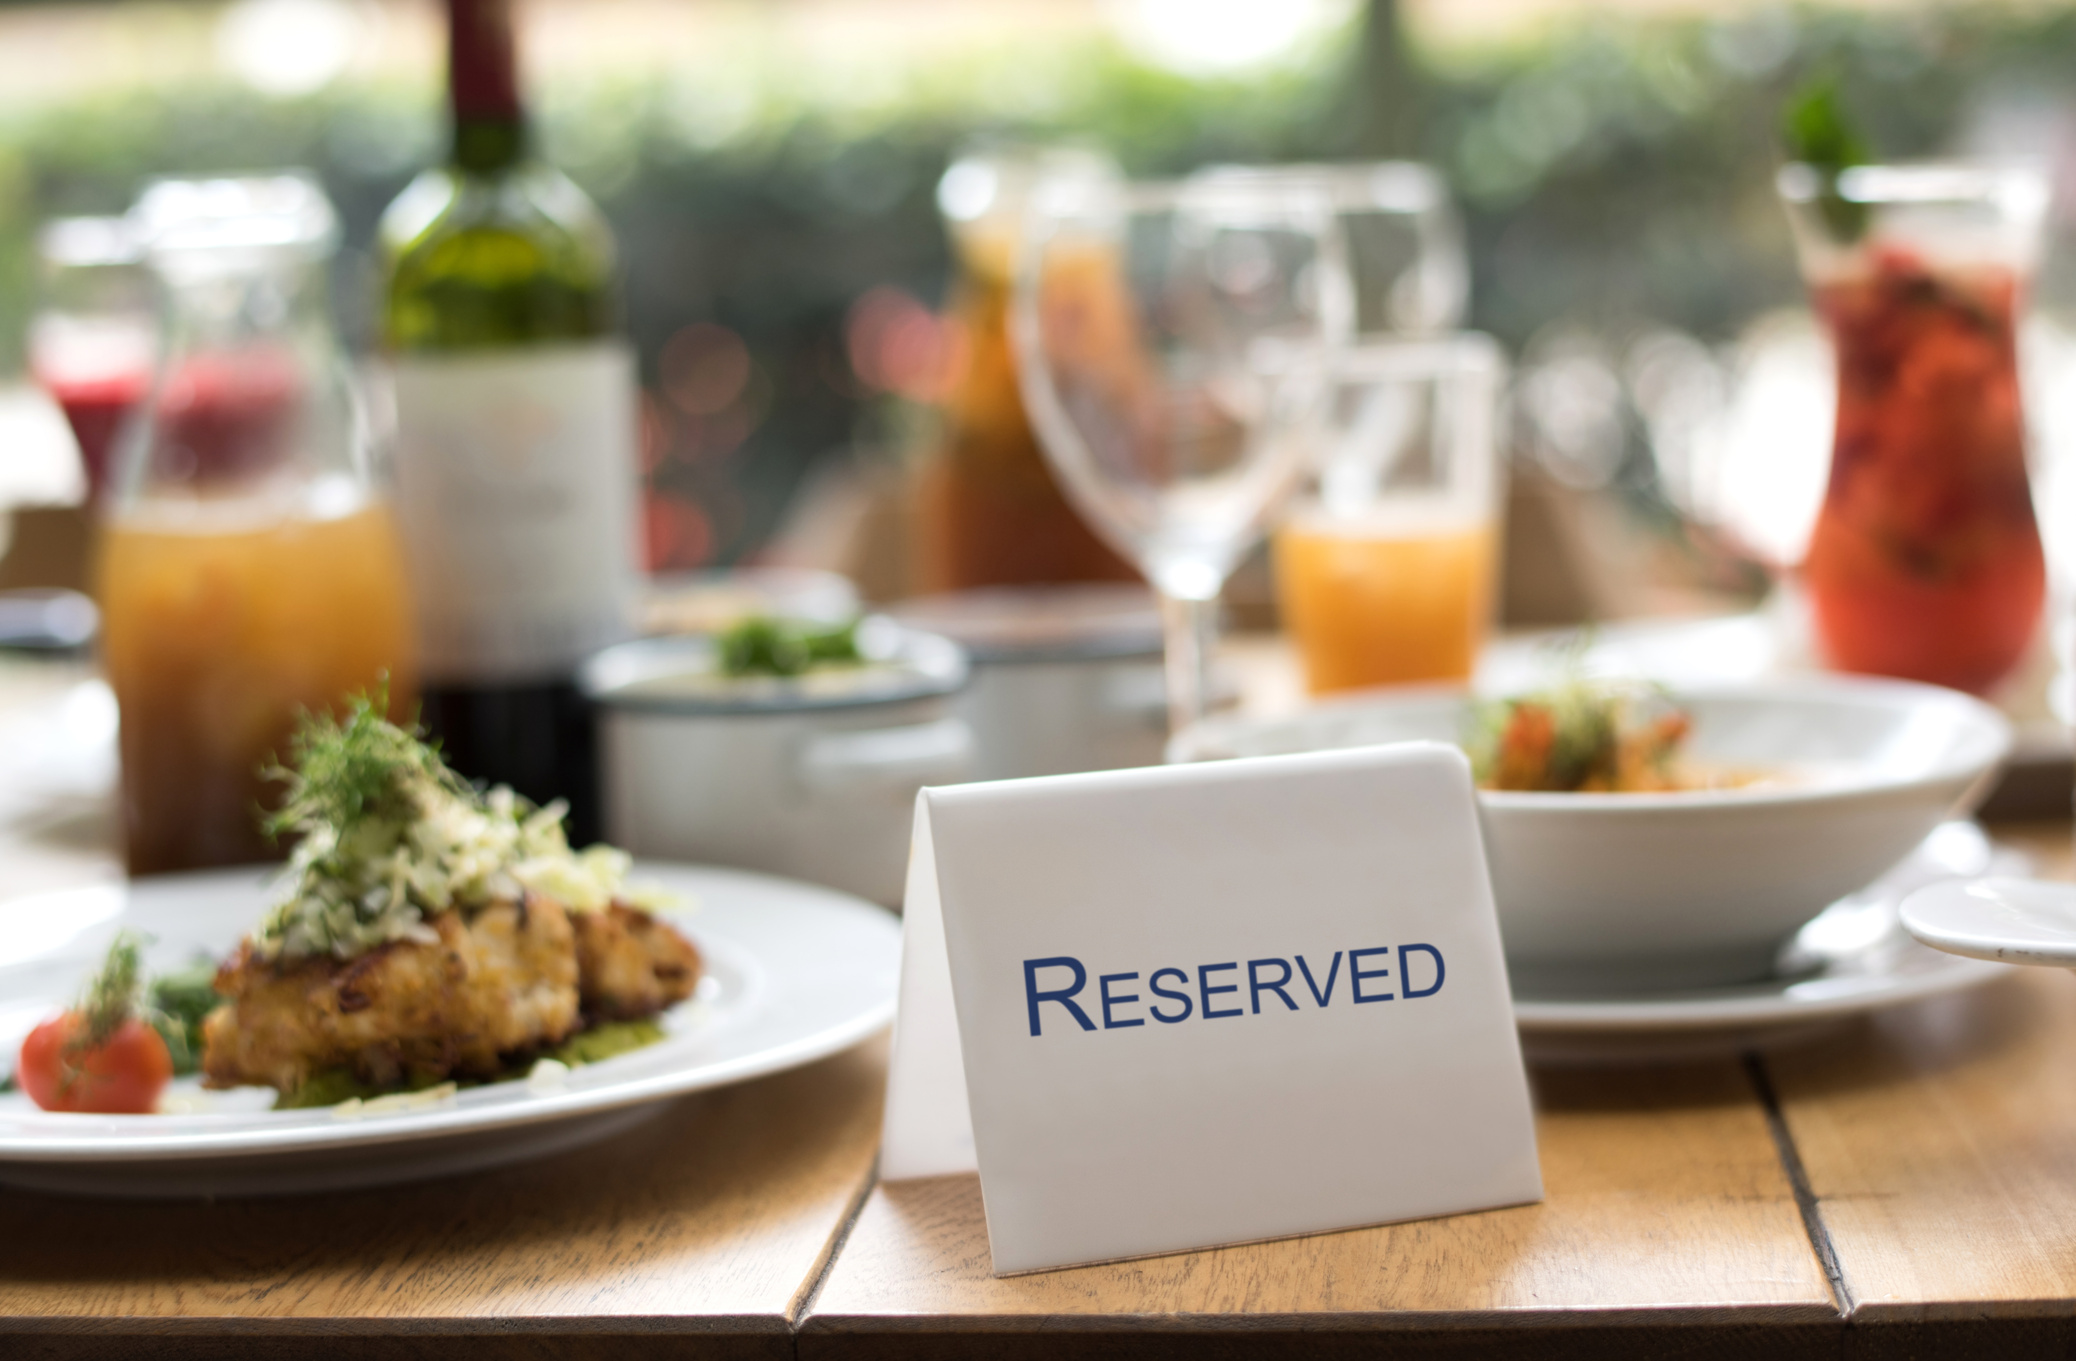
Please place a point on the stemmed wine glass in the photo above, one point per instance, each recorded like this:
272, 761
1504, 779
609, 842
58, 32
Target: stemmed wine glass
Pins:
94, 339
1174, 343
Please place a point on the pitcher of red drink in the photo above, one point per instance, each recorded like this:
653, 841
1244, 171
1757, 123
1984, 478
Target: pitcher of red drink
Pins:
1926, 561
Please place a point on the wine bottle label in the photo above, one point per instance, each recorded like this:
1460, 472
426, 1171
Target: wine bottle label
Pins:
516, 474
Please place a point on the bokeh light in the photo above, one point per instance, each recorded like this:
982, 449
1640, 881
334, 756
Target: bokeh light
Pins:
897, 345
704, 368
677, 532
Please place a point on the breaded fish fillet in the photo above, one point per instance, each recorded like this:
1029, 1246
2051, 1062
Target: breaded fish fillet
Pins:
630, 965
501, 980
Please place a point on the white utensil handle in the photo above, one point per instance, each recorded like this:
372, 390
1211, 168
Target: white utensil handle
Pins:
910, 756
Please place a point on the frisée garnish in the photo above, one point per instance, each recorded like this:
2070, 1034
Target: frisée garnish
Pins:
389, 835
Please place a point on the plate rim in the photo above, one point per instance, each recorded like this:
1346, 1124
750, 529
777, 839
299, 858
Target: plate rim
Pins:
455, 1121
1663, 1013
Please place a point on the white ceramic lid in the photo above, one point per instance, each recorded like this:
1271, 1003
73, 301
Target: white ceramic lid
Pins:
679, 676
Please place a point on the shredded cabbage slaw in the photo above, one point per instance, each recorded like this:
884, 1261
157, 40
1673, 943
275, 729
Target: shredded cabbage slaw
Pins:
379, 862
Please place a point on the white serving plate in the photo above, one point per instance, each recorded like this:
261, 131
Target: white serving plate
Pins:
794, 973
1854, 958
1623, 892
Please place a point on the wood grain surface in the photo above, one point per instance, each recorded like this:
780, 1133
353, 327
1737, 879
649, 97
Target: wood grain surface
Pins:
707, 1223
1667, 1206
1939, 1143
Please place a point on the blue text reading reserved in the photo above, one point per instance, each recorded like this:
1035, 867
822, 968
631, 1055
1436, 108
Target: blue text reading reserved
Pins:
1272, 977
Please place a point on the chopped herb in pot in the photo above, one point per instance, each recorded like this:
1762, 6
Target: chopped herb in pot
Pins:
764, 646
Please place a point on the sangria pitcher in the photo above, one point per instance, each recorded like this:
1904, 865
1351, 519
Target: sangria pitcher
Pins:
1926, 560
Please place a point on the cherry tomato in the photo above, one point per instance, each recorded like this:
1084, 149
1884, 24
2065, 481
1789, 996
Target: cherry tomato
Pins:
121, 1077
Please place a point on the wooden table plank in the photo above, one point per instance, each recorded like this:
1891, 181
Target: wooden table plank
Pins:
1667, 1208
1939, 1144
694, 1234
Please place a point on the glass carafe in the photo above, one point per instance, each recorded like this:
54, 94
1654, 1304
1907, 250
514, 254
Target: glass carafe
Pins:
991, 513
249, 569
92, 339
1926, 560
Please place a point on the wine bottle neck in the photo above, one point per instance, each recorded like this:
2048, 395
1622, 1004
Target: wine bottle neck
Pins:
483, 85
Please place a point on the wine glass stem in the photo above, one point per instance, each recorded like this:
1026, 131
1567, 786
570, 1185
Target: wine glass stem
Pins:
1189, 634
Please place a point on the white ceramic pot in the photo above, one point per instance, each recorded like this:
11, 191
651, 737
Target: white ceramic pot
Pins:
1065, 678
813, 777
1613, 893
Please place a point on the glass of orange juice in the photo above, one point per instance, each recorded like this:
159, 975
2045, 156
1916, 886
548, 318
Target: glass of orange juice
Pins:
1386, 566
249, 569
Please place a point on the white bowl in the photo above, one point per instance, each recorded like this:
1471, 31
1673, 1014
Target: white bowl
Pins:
1627, 892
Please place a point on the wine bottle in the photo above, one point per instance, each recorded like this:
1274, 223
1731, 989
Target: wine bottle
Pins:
515, 434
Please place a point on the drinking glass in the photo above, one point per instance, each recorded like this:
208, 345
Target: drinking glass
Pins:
1407, 265
1926, 560
1386, 564
94, 336
1174, 344
249, 568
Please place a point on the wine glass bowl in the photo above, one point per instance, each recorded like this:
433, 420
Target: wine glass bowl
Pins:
93, 340
1174, 345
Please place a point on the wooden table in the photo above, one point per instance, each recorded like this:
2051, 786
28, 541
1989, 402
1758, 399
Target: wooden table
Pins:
1905, 1187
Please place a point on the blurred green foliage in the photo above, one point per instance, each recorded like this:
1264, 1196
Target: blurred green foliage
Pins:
1610, 172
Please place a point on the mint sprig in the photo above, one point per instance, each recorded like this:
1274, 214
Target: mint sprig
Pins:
1820, 134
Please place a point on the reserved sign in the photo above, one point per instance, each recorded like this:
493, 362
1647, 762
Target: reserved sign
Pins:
1183, 1006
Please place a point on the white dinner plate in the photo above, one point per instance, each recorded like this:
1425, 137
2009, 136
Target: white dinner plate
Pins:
1853, 958
793, 973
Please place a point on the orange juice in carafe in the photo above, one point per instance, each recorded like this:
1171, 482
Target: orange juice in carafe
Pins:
1387, 599
220, 624
249, 571
989, 512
